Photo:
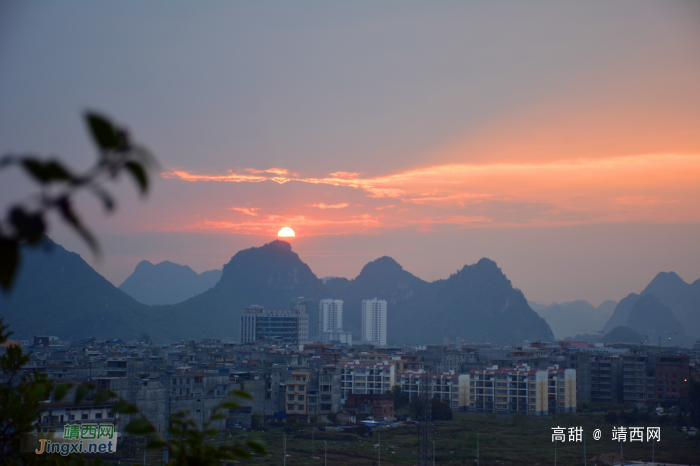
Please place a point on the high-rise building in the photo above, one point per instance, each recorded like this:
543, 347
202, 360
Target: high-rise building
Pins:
374, 321
330, 322
330, 316
289, 325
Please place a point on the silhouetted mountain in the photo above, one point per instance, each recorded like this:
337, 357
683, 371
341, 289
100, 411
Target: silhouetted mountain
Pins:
575, 317
622, 334
167, 283
478, 301
683, 300
271, 276
60, 294
57, 293
653, 319
622, 311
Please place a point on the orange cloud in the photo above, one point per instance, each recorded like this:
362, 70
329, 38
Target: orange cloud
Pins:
327, 206
246, 210
641, 188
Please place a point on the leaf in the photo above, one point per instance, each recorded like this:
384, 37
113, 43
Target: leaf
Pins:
145, 157
124, 407
103, 396
230, 405
30, 227
155, 442
139, 175
139, 426
81, 392
240, 452
242, 394
61, 391
104, 196
102, 131
9, 259
45, 172
256, 447
72, 219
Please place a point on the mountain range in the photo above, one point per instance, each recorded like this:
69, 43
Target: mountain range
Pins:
58, 293
167, 282
668, 308
575, 317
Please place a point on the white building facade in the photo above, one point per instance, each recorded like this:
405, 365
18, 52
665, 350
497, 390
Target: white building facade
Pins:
330, 322
374, 321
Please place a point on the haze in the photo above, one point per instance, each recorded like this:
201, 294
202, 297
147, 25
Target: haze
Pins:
559, 139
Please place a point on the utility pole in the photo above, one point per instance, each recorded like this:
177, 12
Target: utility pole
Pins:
379, 450
325, 453
312, 446
433, 452
284, 449
477, 449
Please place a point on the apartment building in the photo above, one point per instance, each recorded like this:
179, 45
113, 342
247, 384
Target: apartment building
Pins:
672, 376
521, 389
448, 387
366, 378
296, 396
638, 377
374, 321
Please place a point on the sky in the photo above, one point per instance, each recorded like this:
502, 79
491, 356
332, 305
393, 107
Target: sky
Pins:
560, 139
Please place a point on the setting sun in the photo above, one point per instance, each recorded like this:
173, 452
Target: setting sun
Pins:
286, 232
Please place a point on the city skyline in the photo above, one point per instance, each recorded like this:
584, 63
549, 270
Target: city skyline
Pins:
559, 141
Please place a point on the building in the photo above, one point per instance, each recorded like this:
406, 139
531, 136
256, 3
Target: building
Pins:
672, 375
638, 377
290, 326
448, 387
522, 390
366, 378
330, 322
296, 397
376, 407
374, 321
330, 315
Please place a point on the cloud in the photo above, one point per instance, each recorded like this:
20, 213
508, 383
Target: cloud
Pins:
327, 206
659, 188
246, 210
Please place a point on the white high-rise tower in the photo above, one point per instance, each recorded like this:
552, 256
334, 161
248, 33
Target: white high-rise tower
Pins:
330, 322
331, 316
374, 321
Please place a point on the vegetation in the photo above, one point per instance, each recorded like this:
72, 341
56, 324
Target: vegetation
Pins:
26, 223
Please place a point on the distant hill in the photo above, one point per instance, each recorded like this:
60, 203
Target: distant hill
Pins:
167, 282
682, 298
650, 317
60, 294
575, 317
622, 334
477, 302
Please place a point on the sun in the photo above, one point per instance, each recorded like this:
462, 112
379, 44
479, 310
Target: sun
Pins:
286, 232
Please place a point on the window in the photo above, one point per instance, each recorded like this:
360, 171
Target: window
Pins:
290, 407
98, 415
84, 416
300, 397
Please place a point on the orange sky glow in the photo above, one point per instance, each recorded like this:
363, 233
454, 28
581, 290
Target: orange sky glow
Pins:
656, 188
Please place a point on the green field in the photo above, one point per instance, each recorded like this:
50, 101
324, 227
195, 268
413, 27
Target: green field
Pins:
520, 440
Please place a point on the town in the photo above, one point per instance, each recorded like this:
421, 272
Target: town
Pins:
335, 379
